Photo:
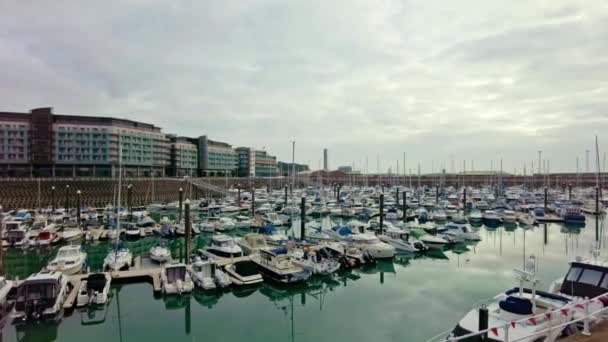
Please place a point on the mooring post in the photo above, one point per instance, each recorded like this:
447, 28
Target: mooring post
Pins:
437, 194
405, 206
78, 195
53, 198
303, 219
1, 234
464, 201
188, 228
483, 321
129, 202
546, 201
381, 212
67, 199
238, 198
285, 195
569, 191
181, 199
597, 215
253, 202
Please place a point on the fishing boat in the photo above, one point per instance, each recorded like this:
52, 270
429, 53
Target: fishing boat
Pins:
69, 260
176, 279
40, 297
94, 289
276, 265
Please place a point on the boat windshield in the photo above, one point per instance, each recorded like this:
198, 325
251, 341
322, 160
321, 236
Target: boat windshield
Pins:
67, 253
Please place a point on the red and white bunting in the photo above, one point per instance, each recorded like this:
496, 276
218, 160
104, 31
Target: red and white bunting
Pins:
494, 331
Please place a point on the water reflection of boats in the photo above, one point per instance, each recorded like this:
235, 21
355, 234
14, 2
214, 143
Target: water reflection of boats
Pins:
207, 299
571, 229
435, 254
93, 314
245, 291
173, 302
510, 226
37, 332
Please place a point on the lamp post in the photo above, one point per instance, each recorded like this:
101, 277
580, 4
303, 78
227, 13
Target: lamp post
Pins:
78, 193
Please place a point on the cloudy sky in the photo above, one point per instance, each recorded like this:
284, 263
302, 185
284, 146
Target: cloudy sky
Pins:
438, 80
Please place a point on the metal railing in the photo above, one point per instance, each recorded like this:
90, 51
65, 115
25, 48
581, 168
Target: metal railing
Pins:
567, 311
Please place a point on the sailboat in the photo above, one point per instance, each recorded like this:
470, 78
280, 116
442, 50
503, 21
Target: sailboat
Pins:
120, 256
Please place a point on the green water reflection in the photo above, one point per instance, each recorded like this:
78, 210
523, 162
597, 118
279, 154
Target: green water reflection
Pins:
409, 299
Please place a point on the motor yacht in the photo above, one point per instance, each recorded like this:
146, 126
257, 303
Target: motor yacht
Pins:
40, 296
224, 246
176, 279
69, 260
94, 289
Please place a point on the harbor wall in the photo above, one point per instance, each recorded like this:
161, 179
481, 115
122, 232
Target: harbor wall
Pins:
98, 192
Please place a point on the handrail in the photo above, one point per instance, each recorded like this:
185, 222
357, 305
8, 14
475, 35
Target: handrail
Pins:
540, 318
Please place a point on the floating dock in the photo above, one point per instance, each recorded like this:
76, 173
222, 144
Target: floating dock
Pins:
142, 268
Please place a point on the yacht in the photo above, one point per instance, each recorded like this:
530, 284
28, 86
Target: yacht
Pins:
176, 279
585, 278
368, 243
40, 296
430, 241
69, 260
160, 254
572, 214
224, 246
242, 222
273, 236
402, 241
276, 265
94, 289
118, 258
272, 218
439, 215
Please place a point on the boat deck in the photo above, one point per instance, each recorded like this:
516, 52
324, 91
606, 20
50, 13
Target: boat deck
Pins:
224, 261
599, 333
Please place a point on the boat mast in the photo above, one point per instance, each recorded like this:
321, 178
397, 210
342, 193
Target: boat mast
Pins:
118, 196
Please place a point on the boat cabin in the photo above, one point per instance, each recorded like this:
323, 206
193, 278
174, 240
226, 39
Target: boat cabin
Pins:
585, 279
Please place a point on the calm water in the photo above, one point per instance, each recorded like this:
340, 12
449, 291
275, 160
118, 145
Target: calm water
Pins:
410, 299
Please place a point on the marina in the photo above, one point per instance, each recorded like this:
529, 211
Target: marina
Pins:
477, 257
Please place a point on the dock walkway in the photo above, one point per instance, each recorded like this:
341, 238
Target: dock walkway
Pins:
142, 268
599, 333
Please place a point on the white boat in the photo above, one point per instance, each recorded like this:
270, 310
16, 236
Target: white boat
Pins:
203, 270
71, 234
160, 254
176, 279
517, 305
225, 223
475, 216
491, 217
460, 232
244, 273
224, 246
40, 296
368, 243
439, 215
272, 218
118, 259
309, 259
69, 260
94, 289
431, 241
276, 265
242, 222
5, 288
402, 241
509, 216
252, 242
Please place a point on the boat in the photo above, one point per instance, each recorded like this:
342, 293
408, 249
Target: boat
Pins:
517, 305
47, 237
430, 241
225, 223
490, 217
273, 236
40, 296
242, 221
252, 242
368, 243
586, 278
176, 279
207, 274
439, 215
94, 289
160, 254
509, 216
119, 258
71, 234
276, 265
69, 260
460, 231
224, 246
5, 288
272, 218
475, 215
312, 260
166, 230
244, 273
572, 215
402, 241
132, 231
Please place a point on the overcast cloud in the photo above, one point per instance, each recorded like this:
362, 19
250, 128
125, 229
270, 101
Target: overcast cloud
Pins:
439, 80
